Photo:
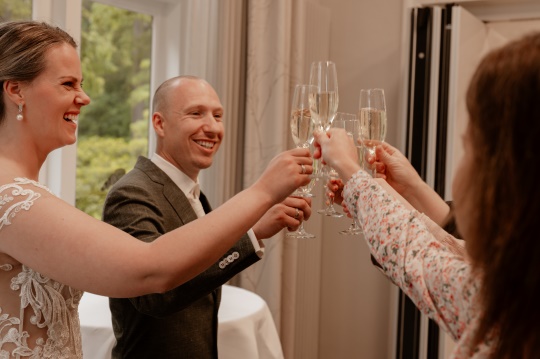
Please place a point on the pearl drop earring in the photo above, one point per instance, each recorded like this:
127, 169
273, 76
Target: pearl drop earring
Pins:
20, 115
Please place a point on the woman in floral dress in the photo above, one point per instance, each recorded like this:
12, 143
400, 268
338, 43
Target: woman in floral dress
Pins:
487, 299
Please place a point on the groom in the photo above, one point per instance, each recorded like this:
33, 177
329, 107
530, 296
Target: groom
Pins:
161, 194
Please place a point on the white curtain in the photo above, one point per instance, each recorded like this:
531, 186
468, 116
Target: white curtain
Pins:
278, 45
274, 65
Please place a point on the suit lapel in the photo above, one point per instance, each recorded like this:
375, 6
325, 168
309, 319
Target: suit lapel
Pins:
174, 195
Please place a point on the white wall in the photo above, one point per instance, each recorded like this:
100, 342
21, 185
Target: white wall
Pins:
356, 300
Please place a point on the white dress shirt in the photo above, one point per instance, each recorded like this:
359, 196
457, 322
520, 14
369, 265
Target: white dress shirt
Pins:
192, 191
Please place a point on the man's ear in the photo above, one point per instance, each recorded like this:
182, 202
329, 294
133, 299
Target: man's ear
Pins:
158, 122
13, 90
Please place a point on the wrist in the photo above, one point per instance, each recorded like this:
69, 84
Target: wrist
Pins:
261, 194
347, 170
414, 190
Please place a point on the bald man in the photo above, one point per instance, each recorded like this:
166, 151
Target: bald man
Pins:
161, 194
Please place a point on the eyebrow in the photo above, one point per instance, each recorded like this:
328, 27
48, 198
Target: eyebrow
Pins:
203, 107
72, 78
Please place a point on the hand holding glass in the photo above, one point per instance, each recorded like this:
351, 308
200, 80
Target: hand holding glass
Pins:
350, 123
324, 99
341, 121
302, 127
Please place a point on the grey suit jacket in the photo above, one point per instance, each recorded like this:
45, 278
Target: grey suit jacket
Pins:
181, 323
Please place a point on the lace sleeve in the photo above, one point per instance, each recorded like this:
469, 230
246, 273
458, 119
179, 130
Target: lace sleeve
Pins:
17, 196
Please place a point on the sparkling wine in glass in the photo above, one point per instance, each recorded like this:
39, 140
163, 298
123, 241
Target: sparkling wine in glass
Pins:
372, 119
302, 126
324, 99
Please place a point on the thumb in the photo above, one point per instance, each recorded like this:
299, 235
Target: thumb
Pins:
382, 155
320, 135
321, 138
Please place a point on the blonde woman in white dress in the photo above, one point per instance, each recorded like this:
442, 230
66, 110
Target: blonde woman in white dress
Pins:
49, 251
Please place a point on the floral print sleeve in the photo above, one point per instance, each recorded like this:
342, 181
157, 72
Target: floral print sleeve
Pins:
436, 278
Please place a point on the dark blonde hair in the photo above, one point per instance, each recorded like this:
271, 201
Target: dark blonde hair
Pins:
23, 45
503, 101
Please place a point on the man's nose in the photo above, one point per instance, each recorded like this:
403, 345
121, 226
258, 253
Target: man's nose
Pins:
211, 123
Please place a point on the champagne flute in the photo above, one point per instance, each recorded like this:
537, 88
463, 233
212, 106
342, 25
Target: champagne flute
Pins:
372, 120
324, 99
342, 120
350, 123
302, 127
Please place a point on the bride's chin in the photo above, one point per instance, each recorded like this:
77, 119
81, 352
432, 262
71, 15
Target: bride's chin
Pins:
71, 141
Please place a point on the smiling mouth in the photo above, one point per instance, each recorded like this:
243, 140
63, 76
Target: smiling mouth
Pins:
71, 118
206, 144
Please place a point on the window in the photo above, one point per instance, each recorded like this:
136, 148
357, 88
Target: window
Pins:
113, 130
15, 10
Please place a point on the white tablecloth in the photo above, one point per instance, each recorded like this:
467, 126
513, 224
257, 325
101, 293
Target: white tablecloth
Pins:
246, 328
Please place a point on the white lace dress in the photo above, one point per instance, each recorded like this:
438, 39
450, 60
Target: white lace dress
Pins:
38, 316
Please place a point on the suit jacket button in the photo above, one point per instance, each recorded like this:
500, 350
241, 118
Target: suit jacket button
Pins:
230, 258
236, 255
222, 264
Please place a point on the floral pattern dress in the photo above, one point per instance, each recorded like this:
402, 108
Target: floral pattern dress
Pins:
38, 316
419, 257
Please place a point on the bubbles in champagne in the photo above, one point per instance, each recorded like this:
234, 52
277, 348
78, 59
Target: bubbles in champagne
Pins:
372, 126
323, 106
302, 127
361, 155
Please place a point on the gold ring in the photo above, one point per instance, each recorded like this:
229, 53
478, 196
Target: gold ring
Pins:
303, 169
297, 214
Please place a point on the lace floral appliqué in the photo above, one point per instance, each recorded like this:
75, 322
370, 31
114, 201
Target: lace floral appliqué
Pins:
38, 316
9, 196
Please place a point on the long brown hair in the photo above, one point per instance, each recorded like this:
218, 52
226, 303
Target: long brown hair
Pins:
23, 45
503, 101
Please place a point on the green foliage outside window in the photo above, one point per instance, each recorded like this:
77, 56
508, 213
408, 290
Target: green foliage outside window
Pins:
115, 55
15, 10
113, 129
100, 161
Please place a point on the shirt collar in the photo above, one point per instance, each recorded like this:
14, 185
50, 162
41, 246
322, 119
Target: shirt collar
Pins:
186, 184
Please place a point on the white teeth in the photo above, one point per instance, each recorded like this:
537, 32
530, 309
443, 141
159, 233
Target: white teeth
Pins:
71, 117
206, 144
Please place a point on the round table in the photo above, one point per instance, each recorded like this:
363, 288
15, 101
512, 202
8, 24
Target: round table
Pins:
246, 328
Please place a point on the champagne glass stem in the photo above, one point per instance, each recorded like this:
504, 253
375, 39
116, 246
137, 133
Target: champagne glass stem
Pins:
300, 233
353, 229
372, 170
329, 209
